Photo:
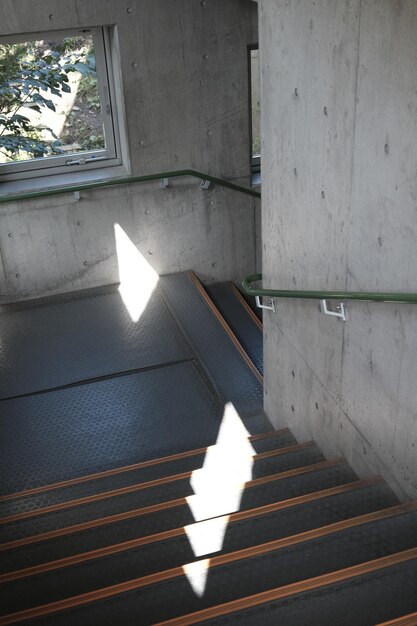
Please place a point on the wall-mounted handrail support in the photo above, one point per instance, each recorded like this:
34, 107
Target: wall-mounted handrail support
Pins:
266, 307
340, 311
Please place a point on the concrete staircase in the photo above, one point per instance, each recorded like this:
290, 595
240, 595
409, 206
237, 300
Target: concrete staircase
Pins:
250, 527
307, 543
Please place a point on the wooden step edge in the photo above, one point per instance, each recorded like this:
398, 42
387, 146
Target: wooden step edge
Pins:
130, 468
293, 589
246, 358
405, 620
246, 306
150, 484
121, 517
178, 532
138, 583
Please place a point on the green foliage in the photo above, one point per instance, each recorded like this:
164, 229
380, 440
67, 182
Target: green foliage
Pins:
78, 129
10, 57
29, 75
88, 92
72, 44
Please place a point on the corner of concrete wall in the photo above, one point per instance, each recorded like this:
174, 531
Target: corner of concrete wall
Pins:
339, 213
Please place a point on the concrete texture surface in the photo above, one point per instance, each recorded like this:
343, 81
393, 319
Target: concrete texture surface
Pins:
66, 245
185, 80
339, 124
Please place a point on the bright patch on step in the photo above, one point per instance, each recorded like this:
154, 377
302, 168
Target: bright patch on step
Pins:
197, 575
207, 537
214, 501
219, 485
136, 276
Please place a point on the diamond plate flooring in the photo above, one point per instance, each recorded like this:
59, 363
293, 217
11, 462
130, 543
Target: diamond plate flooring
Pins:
94, 427
233, 382
83, 388
248, 332
63, 341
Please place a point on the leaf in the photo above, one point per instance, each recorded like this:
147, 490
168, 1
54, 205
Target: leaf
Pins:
50, 105
19, 118
91, 60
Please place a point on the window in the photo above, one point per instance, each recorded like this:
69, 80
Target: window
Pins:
255, 114
61, 113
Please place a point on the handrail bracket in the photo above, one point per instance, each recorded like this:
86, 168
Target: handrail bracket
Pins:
339, 312
267, 307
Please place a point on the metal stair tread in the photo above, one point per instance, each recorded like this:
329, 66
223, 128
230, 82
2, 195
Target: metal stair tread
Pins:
153, 493
316, 585
233, 375
240, 318
404, 620
103, 482
371, 523
372, 491
31, 551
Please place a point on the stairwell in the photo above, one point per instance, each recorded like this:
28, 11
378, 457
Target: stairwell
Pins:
142, 484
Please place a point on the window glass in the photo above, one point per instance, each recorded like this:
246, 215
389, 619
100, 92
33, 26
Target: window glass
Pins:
255, 103
57, 104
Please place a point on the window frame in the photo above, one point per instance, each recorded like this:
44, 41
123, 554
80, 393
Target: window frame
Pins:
255, 161
80, 166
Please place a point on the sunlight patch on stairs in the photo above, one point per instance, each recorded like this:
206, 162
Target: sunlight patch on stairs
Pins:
197, 575
207, 537
218, 488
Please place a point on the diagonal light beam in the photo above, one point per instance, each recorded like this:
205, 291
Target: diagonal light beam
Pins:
218, 487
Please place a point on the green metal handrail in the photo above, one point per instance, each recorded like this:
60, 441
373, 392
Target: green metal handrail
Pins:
365, 296
128, 180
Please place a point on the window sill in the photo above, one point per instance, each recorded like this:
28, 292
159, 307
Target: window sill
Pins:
60, 181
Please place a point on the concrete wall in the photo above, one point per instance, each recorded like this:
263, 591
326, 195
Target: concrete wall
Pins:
339, 212
184, 71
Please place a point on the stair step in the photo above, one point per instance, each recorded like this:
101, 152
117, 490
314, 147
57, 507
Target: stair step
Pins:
64, 542
241, 319
84, 486
224, 578
151, 493
223, 357
268, 534
118, 563
341, 597
249, 303
256, 423
271, 521
405, 620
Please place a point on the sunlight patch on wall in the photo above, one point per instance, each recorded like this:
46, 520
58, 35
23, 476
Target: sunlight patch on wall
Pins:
137, 277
